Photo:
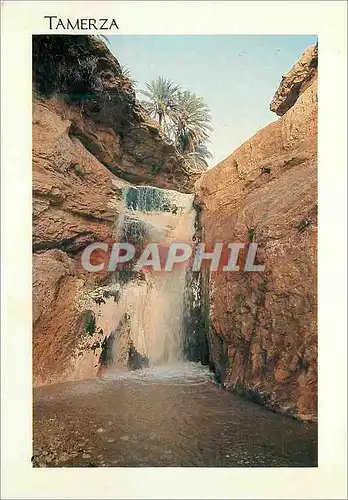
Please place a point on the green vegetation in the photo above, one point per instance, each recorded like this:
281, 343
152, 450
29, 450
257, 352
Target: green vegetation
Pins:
239, 299
265, 170
303, 225
263, 286
251, 234
63, 66
78, 170
89, 321
161, 94
156, 168
197, 205
124, 274
183, 117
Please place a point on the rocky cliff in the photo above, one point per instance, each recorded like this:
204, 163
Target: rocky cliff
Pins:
263, 326
91, 138
296, 81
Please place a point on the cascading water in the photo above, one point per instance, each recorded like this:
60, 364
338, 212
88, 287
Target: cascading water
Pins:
152, 303
168, 413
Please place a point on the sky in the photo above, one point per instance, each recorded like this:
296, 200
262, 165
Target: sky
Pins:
236, 75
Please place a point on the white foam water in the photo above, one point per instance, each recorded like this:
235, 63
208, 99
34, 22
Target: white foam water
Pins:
155, 303
178, 373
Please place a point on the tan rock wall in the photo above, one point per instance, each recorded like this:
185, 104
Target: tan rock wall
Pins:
74, 203
263, 326
296, 81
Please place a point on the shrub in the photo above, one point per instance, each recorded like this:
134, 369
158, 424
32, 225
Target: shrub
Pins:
303, 225
78, 170
89, 321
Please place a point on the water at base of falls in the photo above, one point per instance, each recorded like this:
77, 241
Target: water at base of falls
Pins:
178, 373
163, 416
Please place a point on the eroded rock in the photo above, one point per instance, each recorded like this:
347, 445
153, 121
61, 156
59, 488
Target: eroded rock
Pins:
263, 326
296, 81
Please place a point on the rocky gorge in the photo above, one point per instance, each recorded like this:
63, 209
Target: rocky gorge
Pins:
102, 170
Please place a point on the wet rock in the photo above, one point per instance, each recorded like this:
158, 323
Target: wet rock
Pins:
135, 360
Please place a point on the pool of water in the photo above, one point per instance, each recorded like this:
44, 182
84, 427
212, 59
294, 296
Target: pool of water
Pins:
163, 416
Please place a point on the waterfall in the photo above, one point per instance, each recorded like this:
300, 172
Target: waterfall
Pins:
152, 304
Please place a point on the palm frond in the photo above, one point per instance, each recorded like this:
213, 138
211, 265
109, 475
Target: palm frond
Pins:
184, 118
196, 161
192, 118
161, 94
125, 72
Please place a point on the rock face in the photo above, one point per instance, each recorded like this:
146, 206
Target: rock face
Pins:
262, 326
90, 140
103, 112
296, 81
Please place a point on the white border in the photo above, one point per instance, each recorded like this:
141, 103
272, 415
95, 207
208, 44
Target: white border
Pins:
19, 480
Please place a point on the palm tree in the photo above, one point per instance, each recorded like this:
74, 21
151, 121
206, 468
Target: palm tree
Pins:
183, 117
196, 160
161, 94
191, 118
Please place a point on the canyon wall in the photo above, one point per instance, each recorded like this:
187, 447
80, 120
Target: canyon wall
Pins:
262, 326
91, 140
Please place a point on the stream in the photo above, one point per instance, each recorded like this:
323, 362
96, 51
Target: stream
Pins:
163, 416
